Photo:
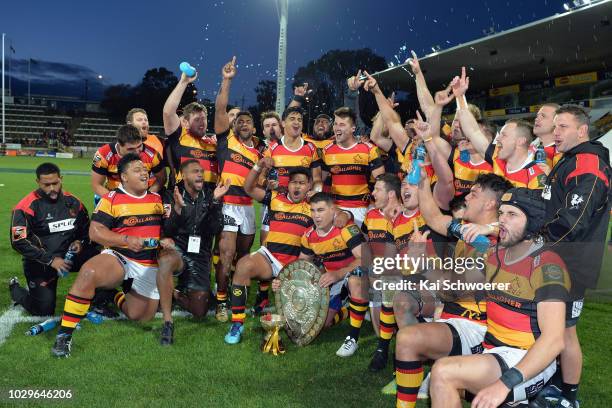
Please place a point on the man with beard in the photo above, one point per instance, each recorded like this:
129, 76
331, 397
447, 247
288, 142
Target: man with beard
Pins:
187, 135
237, 154
525, 315
463, 323
510, 155
194, 221
138, 117
45, 225
289, 216
124, 221
271, 128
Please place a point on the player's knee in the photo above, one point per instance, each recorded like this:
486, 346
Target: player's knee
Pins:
408, 343
199, 304
169, 260
441, 373
245, 267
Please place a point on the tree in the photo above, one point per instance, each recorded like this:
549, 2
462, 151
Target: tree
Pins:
266, 95
327, 76
150, 94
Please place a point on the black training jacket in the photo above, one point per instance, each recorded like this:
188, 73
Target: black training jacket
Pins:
42, 229
577, 196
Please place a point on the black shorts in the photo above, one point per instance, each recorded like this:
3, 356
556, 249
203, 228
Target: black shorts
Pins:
195, 275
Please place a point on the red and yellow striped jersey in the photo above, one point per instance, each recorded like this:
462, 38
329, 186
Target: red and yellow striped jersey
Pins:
107, 158
126, 214
350, 170
465, 174
334, 248
530, 176
512, 318
155, 143
184, 146
286, 159
467, 307
235, 161
378, 231
288, 222
403, 228
320, 145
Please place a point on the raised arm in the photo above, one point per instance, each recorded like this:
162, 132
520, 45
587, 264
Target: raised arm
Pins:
429, 209
423, 95
221, 118
390, 117
171, 119
376, 136
469, 126
299, 95
444, 189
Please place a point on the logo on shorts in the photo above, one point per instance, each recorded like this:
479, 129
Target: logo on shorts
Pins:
533, 389
477, 349
237, 292
229, 220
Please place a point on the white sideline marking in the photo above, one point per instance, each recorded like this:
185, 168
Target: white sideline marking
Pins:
15, 315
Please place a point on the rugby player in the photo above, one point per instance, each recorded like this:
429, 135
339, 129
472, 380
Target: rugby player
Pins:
122, 221
237, 153
340, 250
525, 315
104, 170
351, 165
463, 323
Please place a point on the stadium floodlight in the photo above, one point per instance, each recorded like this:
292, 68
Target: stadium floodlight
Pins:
282, 7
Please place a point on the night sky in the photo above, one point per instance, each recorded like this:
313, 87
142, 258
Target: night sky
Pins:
122, 39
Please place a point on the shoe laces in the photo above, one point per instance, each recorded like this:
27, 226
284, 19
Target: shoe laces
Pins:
235, 329
348, 343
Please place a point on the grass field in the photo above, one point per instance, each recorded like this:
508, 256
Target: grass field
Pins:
120, 362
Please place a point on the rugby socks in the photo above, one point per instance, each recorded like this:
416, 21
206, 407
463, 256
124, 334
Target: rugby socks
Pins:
119, 300
75, 309
221, 296
239, 298
387, 327
342, 314
409, 376
357, 311
569, 391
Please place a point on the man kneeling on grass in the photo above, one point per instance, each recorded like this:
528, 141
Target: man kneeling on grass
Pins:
525, 323
124, 220
340, 250
289, 215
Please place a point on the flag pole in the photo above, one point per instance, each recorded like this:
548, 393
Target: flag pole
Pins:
3, 96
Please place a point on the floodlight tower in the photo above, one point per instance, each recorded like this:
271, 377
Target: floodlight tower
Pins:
282, 7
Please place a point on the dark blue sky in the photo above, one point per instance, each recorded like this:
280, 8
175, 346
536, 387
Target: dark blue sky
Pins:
122, 39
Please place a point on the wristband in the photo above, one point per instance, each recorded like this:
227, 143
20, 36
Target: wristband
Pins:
511, 378
427, 140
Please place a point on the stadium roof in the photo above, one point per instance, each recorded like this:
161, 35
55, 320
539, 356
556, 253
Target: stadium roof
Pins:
576, 41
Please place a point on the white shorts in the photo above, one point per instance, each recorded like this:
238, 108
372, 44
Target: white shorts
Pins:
265, 226
359, 214
239, 217
144, 276
274, 263
336, 288
471, 334
510, 357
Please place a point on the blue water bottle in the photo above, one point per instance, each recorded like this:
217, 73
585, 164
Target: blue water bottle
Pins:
69, 259
540, 155
94, 317
151, 243
414, 177
481, 243
273, 174
464, 156
187, 69
42, 327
